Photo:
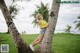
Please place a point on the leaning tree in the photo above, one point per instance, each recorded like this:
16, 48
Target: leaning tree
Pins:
20, 44
13, 11
45, 45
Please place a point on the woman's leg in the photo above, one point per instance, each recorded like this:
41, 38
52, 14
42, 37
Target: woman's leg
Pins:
38, 40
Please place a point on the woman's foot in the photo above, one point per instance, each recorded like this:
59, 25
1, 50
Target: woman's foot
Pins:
31, 46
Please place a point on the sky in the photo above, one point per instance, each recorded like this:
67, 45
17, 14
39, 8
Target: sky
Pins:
68, 13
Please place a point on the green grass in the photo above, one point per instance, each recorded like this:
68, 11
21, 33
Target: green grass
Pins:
62, 42
66, 43
7, 39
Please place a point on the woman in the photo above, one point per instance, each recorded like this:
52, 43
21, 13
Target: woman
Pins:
42, 24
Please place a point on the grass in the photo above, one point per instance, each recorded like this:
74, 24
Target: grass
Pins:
7, 39
62, 42
66, 43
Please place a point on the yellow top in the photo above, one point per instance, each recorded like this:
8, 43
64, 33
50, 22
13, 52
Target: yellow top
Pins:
43, 24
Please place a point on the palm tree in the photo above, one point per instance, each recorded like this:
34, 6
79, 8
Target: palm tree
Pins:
13, 11
78, 23
43, 10
20, 44
67, 30
46, 44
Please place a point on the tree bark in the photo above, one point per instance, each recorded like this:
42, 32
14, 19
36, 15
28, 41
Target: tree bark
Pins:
20, 44
45, 45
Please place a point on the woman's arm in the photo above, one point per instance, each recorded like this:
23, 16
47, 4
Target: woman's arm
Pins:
47, 24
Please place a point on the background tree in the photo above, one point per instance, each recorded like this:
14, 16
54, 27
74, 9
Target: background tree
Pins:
46, 44
78, 23
43, 10
13, 11
20, 44
67, 30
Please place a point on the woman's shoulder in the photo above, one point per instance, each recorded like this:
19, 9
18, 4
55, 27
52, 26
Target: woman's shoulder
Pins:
43, 20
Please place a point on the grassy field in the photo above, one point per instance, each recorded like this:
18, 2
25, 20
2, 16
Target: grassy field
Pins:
62, 42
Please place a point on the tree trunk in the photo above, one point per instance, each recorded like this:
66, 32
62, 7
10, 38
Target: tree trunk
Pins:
45, 46
20, 44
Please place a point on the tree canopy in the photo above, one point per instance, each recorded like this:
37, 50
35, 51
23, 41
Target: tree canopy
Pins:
43, 10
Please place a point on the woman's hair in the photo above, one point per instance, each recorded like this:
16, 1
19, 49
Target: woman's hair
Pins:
39, 16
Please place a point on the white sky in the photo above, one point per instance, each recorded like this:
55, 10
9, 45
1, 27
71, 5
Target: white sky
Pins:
68, 13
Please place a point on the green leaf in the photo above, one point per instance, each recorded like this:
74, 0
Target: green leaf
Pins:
43, 10
78, 17
78, 25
